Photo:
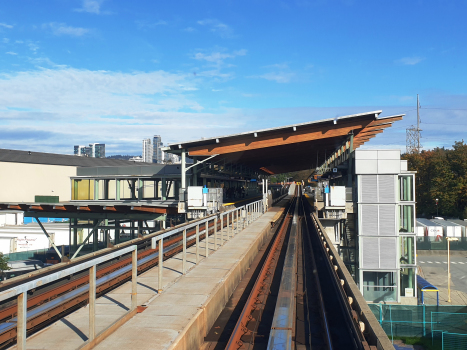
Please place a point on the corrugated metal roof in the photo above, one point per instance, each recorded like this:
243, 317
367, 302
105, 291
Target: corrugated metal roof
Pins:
15, 156
426, 222
458, 222
444, 223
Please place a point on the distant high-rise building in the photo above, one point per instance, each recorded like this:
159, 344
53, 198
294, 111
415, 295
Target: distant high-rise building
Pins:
95, 150
148, 151
157, 145
83, 151
98, 150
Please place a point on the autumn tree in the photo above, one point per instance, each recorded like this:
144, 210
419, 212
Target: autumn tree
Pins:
441, 174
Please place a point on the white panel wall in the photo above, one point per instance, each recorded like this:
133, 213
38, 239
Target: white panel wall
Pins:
377, 162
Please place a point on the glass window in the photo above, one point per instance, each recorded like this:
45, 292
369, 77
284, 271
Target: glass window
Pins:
408, 280
406, 218
407, 250
379, 286
82, 189
406, 188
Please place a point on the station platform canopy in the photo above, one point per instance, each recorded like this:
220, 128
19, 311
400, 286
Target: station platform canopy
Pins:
288, 148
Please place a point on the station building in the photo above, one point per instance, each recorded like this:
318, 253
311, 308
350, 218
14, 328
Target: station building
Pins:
365, 198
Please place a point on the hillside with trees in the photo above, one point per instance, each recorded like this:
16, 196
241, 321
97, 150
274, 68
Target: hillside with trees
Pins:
442, 174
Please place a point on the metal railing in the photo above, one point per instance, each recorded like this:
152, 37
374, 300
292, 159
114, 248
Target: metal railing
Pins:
21, 291
236, 220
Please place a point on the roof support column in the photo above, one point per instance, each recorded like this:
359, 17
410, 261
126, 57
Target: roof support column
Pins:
164, 189
350, 170
96, 189
183, 169
117, 189
195, 173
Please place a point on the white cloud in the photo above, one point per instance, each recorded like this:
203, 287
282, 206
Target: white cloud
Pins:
19, 41
278, 77
33, 47
216, 26
91, 6
281, 66
11, 53
281, 73
62, 29
410, 61
4, 25
189, 29
218, 57
150, 25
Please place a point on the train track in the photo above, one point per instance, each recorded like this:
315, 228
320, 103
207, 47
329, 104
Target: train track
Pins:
295, 297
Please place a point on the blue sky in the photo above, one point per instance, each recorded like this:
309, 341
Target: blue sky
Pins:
82, 71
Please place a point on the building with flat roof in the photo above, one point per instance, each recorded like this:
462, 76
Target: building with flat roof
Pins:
94, 150
26, 175
157, 149
148, 151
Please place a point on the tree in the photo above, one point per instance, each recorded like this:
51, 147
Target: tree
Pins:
442, 175
4, 263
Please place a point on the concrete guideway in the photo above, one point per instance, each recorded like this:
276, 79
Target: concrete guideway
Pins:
182, 314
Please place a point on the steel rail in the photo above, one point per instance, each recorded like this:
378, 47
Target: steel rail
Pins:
257, 298
283, 322
322, 309
350, 316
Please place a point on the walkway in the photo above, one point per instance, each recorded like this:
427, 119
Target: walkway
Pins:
189, 303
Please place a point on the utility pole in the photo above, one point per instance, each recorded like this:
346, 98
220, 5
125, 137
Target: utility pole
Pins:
418, 125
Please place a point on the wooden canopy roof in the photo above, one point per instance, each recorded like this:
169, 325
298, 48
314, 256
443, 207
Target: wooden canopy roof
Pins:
289, 148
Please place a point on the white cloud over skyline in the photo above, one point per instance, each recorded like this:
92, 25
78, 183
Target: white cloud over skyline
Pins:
410, 61
63, 29
217, 27
5, 25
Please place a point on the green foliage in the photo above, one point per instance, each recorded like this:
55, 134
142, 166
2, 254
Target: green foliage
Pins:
4, 263
442, 174
426, 342
278, 178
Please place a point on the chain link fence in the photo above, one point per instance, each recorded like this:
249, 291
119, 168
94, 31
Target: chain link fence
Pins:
445, 322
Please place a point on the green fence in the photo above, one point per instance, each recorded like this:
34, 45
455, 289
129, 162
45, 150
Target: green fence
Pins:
433, 243
38, 254
453, 341
445, 322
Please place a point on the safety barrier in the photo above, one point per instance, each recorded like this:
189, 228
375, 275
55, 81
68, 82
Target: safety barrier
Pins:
236, 220
421, 320
20, 292
356, 304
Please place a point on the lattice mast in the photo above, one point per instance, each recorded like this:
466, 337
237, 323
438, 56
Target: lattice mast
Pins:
413, 134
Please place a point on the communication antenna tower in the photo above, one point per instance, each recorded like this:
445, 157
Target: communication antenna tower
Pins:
413, 134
